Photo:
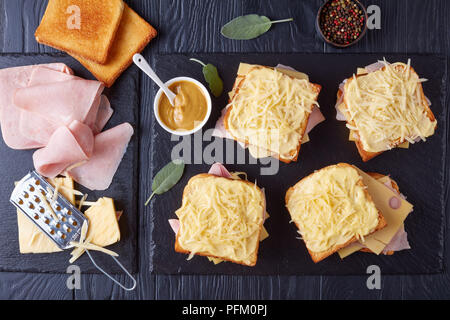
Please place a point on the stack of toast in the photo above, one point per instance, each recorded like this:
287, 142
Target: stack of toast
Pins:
102, 35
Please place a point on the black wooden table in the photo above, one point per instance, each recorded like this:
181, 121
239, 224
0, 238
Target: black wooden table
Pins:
407, 26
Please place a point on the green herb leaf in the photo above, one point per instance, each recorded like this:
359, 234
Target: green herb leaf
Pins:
212, 77
166, 178
248, 27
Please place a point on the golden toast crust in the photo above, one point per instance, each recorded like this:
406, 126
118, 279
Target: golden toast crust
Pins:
99, 22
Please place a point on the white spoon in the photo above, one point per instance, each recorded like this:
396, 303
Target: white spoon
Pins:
140, 61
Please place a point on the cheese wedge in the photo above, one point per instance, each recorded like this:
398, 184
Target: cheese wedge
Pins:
103, 226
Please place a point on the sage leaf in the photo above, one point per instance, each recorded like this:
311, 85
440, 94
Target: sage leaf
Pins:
248, 27
166, 178
212, 77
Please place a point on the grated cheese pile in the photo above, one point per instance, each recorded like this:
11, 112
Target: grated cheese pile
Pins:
330, 207
221, 217
270, 110
387, 107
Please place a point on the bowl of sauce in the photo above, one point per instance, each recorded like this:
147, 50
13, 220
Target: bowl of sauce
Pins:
191, 109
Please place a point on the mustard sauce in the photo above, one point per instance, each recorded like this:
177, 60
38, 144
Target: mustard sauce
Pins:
189, 108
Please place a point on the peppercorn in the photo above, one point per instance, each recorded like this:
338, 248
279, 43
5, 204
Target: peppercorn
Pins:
342, 21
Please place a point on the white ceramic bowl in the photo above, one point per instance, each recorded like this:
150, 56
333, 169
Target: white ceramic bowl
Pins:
208, 106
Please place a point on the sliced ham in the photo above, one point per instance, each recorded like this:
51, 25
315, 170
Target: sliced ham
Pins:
175, 225
109, 148
398, 242
42, 75
67, 146
12, 79
219, 170
104, 113
62, 102
315, 118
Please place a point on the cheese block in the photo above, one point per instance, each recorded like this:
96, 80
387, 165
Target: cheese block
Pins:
103, 226
381, 196
31, 238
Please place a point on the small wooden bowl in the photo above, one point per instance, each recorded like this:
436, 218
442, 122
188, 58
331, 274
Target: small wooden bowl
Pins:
319, 30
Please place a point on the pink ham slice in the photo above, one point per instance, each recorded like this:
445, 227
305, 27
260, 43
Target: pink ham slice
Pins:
12, 79
33, 124
109, 148
219, 170
62, 102
67, 146
175, 225
104, 113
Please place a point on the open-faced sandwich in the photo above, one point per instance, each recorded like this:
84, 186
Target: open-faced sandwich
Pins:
221, 217
341, 209
271, 110
385, 107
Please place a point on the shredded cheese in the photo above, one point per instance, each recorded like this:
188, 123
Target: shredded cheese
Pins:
386, 108
84, 244
221, 217
330, 207
270, 111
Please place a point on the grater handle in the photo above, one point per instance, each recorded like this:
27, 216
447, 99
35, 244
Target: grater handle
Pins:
111, 277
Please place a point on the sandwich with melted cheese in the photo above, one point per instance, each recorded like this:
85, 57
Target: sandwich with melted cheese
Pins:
332, 209
221, 218
385, 107
269, 110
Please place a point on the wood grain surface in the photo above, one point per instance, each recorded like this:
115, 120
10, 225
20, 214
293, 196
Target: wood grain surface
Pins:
408, 26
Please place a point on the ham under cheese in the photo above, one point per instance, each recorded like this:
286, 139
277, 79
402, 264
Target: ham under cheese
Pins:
109, 148
67, 146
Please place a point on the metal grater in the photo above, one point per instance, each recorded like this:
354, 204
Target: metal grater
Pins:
28, 196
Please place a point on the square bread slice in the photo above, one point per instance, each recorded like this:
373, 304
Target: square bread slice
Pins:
98, 24
221, 218
270, 110
132, 37
332, 209
386, 108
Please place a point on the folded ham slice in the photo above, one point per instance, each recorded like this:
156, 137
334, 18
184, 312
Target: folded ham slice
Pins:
62, 102
12, 79
104, 113
67, 146
109, 148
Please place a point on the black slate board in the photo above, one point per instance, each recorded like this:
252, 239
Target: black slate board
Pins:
14, 164
418, 170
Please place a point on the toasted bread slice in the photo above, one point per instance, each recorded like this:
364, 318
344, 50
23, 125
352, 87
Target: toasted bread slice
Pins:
206, 240
132, 37
359, 189
365, 154
98, 23
292, 155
